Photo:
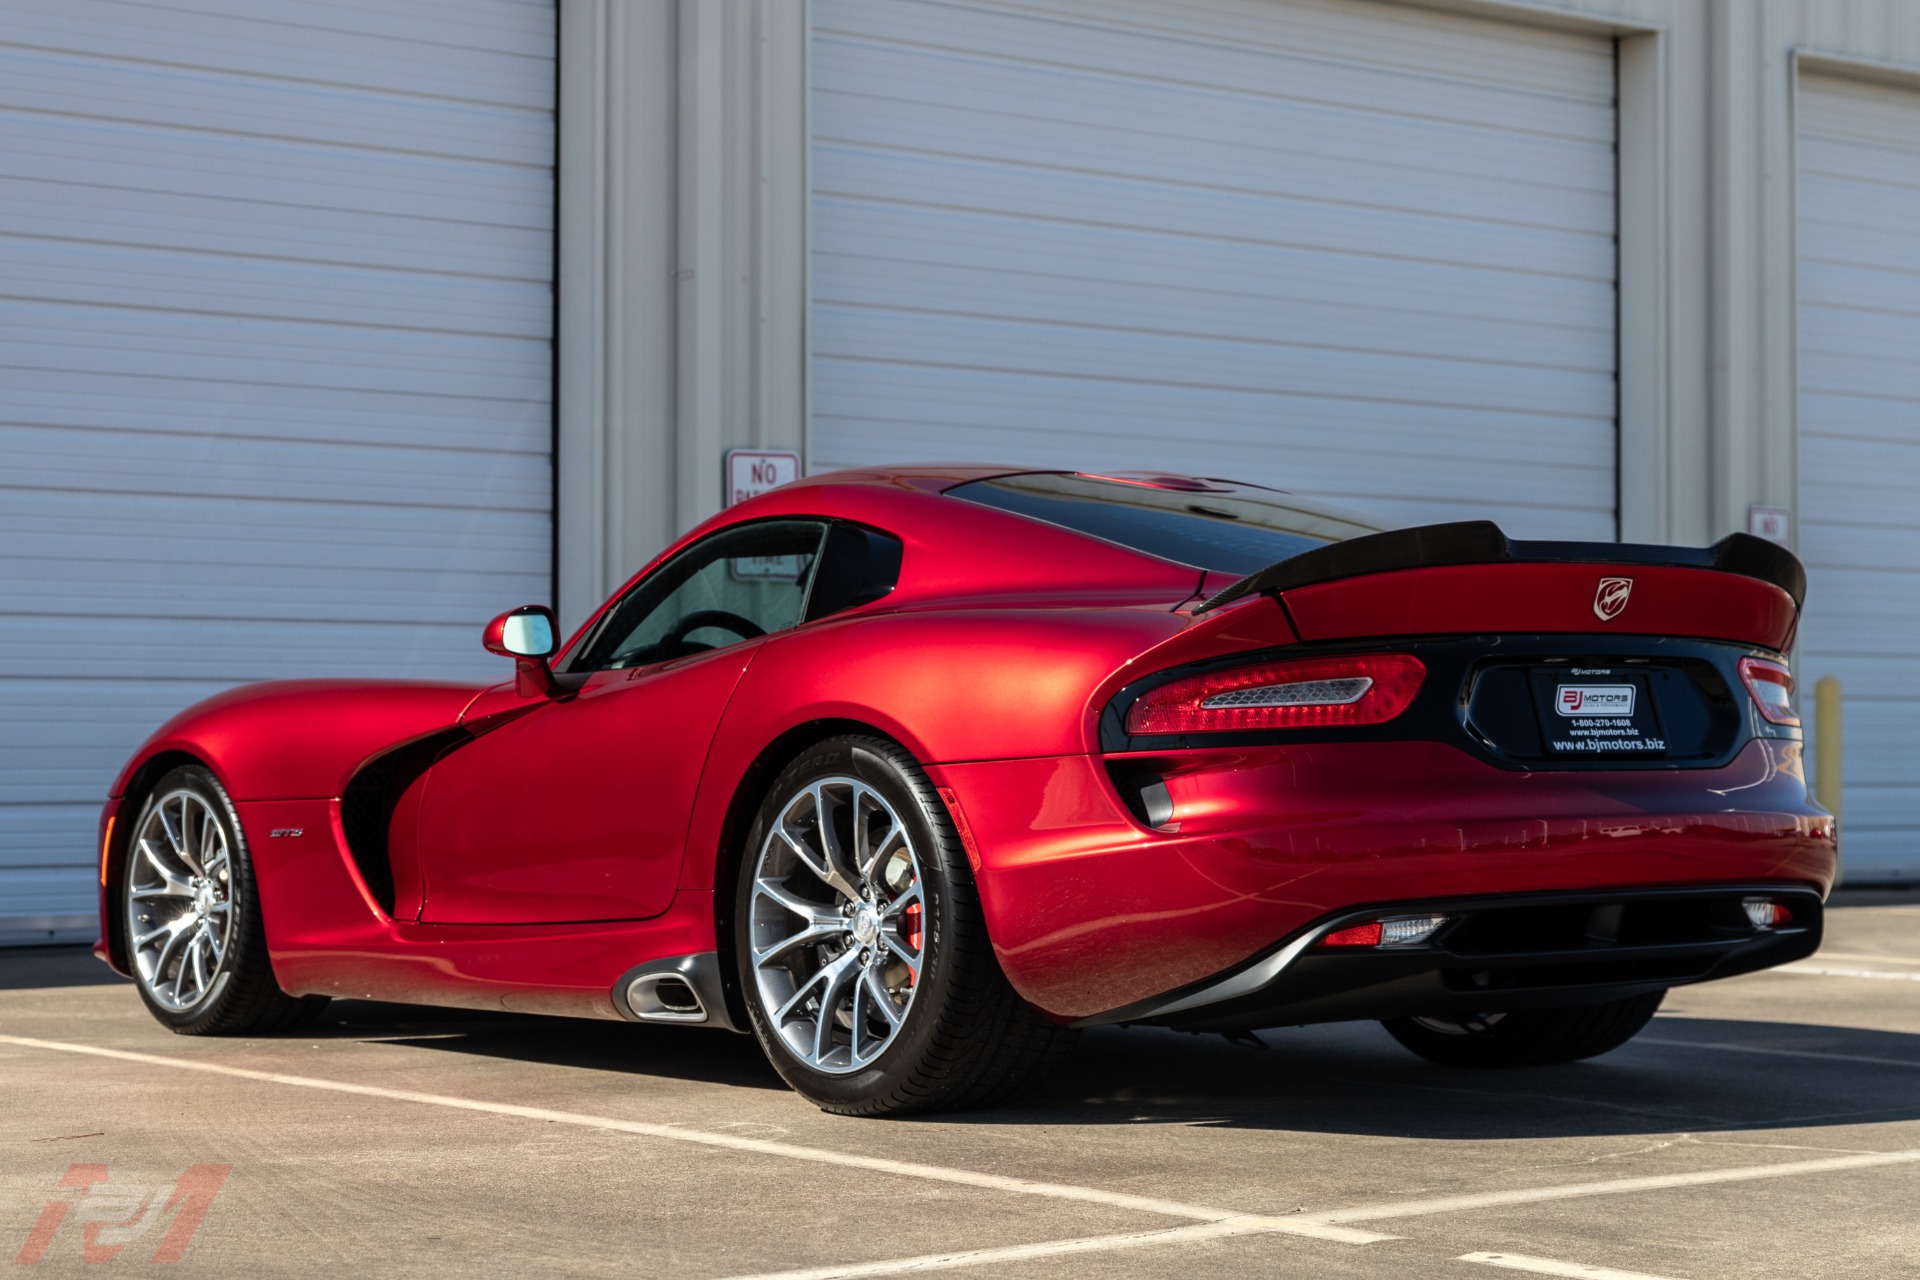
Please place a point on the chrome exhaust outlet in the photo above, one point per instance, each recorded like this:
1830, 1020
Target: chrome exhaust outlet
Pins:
684, 990
664, 997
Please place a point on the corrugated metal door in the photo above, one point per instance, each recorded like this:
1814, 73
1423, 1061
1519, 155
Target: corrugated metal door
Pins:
1859, 369
1362, 251
274, 369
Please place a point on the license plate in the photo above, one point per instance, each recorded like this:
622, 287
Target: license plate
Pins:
1596, 712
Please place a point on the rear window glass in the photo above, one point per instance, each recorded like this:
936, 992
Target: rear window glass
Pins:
1210, 524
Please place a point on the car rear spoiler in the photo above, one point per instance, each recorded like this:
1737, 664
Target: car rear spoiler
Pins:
1483, 542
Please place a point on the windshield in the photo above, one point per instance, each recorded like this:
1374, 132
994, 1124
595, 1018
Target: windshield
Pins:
1213, 524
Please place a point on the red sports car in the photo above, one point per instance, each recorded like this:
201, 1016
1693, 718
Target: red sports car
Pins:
912, 772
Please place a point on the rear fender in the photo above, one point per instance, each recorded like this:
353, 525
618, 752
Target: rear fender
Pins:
973, 685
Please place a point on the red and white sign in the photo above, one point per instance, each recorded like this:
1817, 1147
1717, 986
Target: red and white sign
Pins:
751, 472
1775, 524
1594, 700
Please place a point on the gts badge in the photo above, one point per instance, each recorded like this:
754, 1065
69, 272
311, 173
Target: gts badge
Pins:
287, 833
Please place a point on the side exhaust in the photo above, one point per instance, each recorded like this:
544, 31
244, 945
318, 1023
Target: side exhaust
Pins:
685, 990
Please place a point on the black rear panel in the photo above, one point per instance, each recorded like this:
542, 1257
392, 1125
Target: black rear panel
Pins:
1677, 710
1540, 951
1499, 698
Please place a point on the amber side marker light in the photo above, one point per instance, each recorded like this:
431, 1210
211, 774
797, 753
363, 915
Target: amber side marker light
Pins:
106, 846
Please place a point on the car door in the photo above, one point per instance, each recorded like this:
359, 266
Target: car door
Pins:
576, 808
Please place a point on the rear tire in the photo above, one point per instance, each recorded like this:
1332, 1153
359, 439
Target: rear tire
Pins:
1533, 1038
193, 932
862, 953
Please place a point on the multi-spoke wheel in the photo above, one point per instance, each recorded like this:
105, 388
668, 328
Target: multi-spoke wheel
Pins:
835, 924
179, 900
193, 934
862, 955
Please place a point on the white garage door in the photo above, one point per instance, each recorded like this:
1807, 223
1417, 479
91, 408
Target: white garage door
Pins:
1859, 236
274, 369
1350, 249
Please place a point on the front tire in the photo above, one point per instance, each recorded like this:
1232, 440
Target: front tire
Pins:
1534, 1038
862, 953
193, 932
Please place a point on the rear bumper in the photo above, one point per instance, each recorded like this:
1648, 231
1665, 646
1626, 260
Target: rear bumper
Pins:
1093, 913
1499, 954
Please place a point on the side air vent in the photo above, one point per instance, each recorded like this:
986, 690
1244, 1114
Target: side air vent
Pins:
1143, 791
366, 807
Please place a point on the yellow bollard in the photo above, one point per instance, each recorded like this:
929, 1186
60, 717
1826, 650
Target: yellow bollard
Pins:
1826, 744
1826, 749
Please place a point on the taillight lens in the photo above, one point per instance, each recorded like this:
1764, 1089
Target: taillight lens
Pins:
1304, 693
1771, 685
1765, 913
1389, 931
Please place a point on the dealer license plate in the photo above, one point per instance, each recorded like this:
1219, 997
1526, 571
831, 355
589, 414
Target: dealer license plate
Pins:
1596, 712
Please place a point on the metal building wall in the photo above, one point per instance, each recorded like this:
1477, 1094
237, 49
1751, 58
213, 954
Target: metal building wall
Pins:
684, 199
274, 371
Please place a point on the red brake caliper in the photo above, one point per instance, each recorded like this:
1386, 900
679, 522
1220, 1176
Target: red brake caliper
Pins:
910, 920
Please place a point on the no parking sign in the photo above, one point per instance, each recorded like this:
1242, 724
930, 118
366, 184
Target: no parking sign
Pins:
751, 472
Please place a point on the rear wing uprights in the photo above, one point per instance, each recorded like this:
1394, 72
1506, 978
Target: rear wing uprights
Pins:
1483, 542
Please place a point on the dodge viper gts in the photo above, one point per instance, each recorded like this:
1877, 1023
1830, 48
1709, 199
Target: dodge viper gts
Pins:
910, 773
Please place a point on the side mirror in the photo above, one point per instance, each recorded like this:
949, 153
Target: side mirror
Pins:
528, 636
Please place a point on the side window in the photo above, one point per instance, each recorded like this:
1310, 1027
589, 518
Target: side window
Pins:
857, 566
739, 584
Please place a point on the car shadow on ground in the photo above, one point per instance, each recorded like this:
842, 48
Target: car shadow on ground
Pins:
39, 968
1350, 1079
1683, 1074
1353, 1079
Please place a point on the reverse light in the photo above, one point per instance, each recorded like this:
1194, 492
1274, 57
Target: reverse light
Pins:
1771, 685
1766, 913
1389, 931
1304, 693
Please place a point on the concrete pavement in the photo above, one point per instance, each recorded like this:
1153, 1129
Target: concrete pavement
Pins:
1769, 1125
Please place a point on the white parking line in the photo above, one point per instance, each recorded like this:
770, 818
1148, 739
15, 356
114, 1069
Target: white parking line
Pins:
1027, 1252
1724, 1047
1372, 1213
1610, 1187
758, 1146
1823, 971
1549, 1267
1825, 956
1212, 1223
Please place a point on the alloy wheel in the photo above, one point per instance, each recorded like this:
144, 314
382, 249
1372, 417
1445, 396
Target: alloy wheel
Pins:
180, 900
836, 925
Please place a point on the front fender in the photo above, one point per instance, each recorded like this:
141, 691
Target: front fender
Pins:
300, 739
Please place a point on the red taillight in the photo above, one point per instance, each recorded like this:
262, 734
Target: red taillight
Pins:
1304, 693
1771, 685
1388, 931
1358, 935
